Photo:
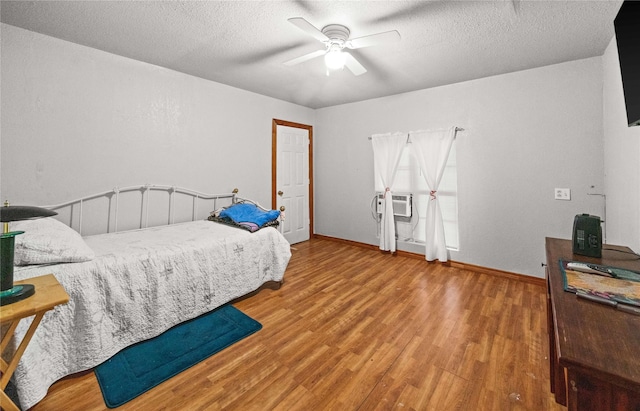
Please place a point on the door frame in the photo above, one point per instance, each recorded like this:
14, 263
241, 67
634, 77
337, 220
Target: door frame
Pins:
274, 164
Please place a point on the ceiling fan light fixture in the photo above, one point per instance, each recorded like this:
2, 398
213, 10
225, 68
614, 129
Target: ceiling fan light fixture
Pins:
335, 58
336, 38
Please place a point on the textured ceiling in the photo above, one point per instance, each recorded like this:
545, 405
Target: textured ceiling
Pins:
244, 43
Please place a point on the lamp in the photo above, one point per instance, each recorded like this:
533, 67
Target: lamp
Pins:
8, 293
334, 59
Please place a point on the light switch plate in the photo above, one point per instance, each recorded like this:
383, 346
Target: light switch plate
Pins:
563, 194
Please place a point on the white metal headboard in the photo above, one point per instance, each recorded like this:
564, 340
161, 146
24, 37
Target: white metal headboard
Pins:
113, 196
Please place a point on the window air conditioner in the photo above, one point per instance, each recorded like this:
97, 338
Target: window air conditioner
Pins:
401, 204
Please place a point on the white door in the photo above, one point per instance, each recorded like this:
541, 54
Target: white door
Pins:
292, 181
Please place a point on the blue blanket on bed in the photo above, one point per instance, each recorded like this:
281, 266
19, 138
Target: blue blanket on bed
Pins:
249, 214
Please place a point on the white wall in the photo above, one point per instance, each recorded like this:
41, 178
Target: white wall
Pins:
525, 134
621, 158
76, 120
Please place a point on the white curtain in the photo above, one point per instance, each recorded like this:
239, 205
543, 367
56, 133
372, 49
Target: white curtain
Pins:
387, 149
432, 148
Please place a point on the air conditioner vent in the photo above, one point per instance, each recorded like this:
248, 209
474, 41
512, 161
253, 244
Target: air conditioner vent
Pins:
401, 204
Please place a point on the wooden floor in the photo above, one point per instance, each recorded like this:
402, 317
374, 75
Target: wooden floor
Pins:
356, 329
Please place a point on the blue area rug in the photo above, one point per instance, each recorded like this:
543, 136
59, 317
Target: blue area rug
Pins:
142, 366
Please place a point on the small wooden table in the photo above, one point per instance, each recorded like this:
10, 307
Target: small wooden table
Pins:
594, 348
49, 293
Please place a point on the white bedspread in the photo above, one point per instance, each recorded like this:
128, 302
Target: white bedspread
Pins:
140, 284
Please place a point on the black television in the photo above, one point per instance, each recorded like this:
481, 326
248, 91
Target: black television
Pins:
627, 27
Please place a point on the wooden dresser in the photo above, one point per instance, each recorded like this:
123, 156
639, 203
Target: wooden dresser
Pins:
594, 348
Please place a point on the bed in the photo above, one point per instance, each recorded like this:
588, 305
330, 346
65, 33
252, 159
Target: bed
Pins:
130, 285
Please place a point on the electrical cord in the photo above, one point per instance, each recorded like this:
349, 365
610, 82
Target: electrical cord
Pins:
413, 230
374, 208
412, 239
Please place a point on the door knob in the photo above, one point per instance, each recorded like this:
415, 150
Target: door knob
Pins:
280, 193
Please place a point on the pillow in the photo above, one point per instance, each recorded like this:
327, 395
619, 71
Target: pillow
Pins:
46, 241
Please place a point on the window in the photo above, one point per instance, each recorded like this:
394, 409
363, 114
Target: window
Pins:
409, 179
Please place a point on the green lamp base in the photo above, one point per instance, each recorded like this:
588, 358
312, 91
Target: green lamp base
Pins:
17, 293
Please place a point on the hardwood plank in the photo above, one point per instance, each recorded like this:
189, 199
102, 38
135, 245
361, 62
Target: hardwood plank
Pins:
353, 328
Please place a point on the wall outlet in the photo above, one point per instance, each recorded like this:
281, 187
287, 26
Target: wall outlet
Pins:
563, 194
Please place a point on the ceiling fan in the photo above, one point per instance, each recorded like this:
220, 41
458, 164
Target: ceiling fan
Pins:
336, 38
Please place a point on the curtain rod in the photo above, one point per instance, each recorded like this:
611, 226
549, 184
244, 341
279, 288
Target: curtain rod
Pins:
457, 129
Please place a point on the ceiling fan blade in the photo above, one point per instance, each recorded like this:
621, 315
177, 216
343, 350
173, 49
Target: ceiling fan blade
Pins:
306, 5
515, 6
304, 58
308, 28
373, 39
353, 64
267, 54
418, 8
